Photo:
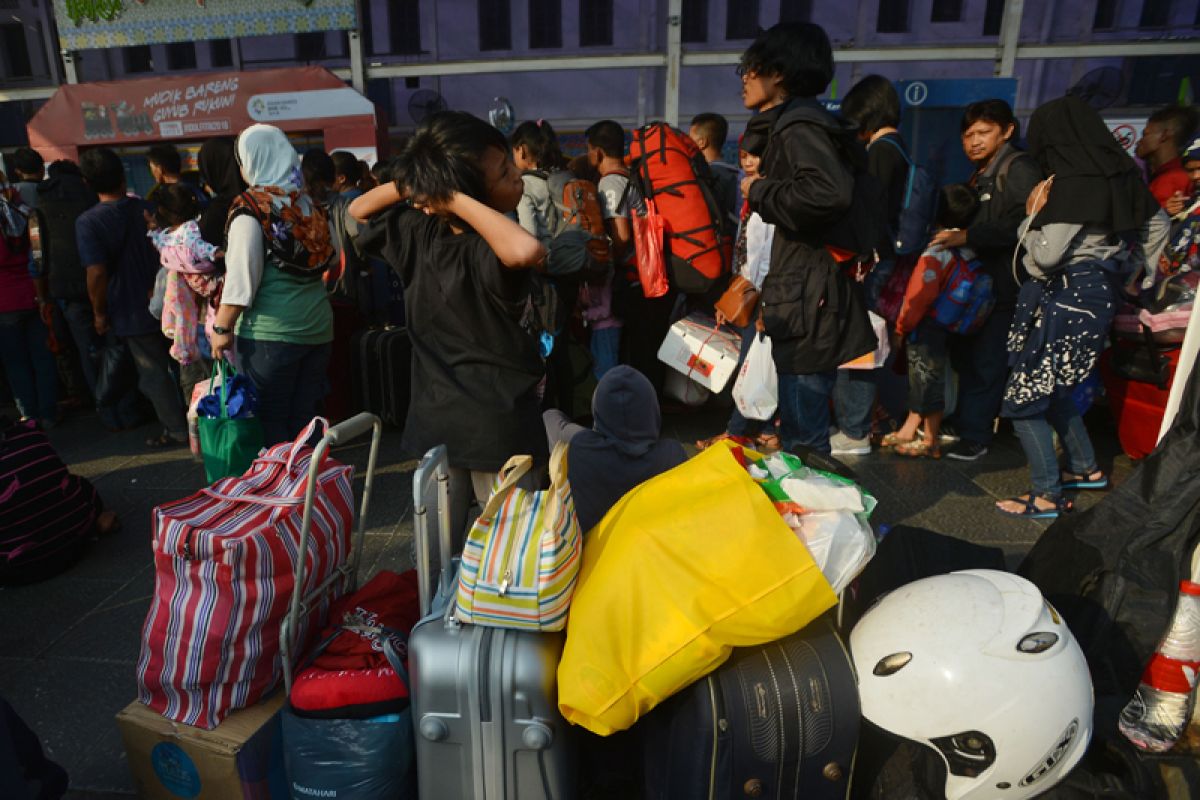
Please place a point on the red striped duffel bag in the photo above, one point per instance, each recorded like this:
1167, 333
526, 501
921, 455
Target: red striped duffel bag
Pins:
224, 563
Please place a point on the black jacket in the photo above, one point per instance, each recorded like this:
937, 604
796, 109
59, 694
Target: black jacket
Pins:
1003, 188
61, 199
814, 314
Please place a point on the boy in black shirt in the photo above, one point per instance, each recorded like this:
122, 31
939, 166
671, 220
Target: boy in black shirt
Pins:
464, 265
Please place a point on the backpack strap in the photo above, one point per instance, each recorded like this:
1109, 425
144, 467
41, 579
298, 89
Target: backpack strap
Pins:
911, 180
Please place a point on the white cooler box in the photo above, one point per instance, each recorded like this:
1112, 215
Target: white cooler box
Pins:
698, 349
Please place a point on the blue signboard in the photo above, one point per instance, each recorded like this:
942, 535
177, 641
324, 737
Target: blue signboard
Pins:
931, 117
955, 92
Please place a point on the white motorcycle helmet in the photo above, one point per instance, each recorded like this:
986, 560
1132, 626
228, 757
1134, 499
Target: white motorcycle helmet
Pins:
980, 668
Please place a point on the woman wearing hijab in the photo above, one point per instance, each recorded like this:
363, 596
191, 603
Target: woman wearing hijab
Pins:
277, 248
1091, 227
220, 173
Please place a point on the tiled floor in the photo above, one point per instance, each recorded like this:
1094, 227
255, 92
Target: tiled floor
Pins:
68, 646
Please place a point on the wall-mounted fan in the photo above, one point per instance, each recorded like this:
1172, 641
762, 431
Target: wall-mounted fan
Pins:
424, 102
501, 115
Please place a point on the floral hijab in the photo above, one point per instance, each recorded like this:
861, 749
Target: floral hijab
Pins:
295, 228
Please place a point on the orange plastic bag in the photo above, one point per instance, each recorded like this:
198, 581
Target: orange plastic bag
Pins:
648, 231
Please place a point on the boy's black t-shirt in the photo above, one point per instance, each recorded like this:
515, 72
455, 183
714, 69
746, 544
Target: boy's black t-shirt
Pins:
475, 370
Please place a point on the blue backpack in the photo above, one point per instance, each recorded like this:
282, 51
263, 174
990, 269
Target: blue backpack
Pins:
918, 206
966, 298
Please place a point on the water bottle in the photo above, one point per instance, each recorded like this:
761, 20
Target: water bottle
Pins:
1158, 713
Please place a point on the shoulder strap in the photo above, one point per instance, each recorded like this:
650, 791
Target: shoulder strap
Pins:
907, 158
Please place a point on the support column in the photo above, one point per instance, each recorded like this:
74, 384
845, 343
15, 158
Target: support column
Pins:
69, 71
674, 61
1010, 35
358, 67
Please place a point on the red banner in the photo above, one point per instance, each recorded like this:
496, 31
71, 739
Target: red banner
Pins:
200, 106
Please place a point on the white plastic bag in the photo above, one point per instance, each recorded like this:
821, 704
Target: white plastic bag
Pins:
840, 542
756, 391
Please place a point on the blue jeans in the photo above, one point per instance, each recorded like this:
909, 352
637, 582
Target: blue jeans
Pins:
157, 379
1037, 439
291, 382
32, 375
606, 350
853, 400
981, 361
804, 410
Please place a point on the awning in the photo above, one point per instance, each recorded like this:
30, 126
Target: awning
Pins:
199, 106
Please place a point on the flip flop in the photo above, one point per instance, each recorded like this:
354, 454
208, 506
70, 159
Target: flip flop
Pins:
1071, 480
1031, 509
164, 440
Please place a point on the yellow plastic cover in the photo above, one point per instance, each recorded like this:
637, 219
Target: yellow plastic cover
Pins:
684, 568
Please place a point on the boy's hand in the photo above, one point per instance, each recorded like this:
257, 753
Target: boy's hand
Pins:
1175, 203
1038, 197
949, 237
747, 182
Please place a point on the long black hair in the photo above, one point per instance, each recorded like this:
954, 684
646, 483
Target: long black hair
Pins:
541, 142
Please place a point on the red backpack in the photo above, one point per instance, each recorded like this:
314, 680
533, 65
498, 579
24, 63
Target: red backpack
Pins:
667, 168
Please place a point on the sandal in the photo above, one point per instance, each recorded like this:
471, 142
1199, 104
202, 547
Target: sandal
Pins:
893, 440
918, 448
1031, 510
1094, 480
704, 444
163, 441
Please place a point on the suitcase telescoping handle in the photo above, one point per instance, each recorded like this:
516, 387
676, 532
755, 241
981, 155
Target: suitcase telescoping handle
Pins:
347, 572
432, 526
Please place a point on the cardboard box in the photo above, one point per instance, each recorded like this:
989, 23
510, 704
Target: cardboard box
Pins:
240, 758
704, 353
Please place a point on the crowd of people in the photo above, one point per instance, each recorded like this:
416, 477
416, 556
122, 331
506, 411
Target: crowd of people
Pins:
249, 261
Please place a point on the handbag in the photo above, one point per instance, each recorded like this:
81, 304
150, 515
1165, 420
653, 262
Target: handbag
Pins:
738, 302
225, 562
522, 555
230, 440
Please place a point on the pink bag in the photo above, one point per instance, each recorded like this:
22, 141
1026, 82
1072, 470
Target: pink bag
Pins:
224, 560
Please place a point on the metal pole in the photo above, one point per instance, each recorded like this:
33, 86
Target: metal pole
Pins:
68, 57
674, 61
358, 67
1010, 36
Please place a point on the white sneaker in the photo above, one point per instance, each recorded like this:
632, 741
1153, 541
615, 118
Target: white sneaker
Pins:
843, 445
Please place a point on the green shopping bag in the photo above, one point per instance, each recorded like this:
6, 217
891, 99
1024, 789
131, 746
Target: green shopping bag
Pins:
229, 443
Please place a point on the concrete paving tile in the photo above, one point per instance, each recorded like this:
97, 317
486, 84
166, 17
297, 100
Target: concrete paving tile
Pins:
71, 706
35, 616
111, 632
977, 521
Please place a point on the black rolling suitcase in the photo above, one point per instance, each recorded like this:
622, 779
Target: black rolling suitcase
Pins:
776, 721
382, 371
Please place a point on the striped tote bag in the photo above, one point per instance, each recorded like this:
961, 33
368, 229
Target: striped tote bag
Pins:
522, 555
224, 563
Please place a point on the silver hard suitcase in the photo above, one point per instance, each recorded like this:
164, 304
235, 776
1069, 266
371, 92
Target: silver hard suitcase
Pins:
484, 700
